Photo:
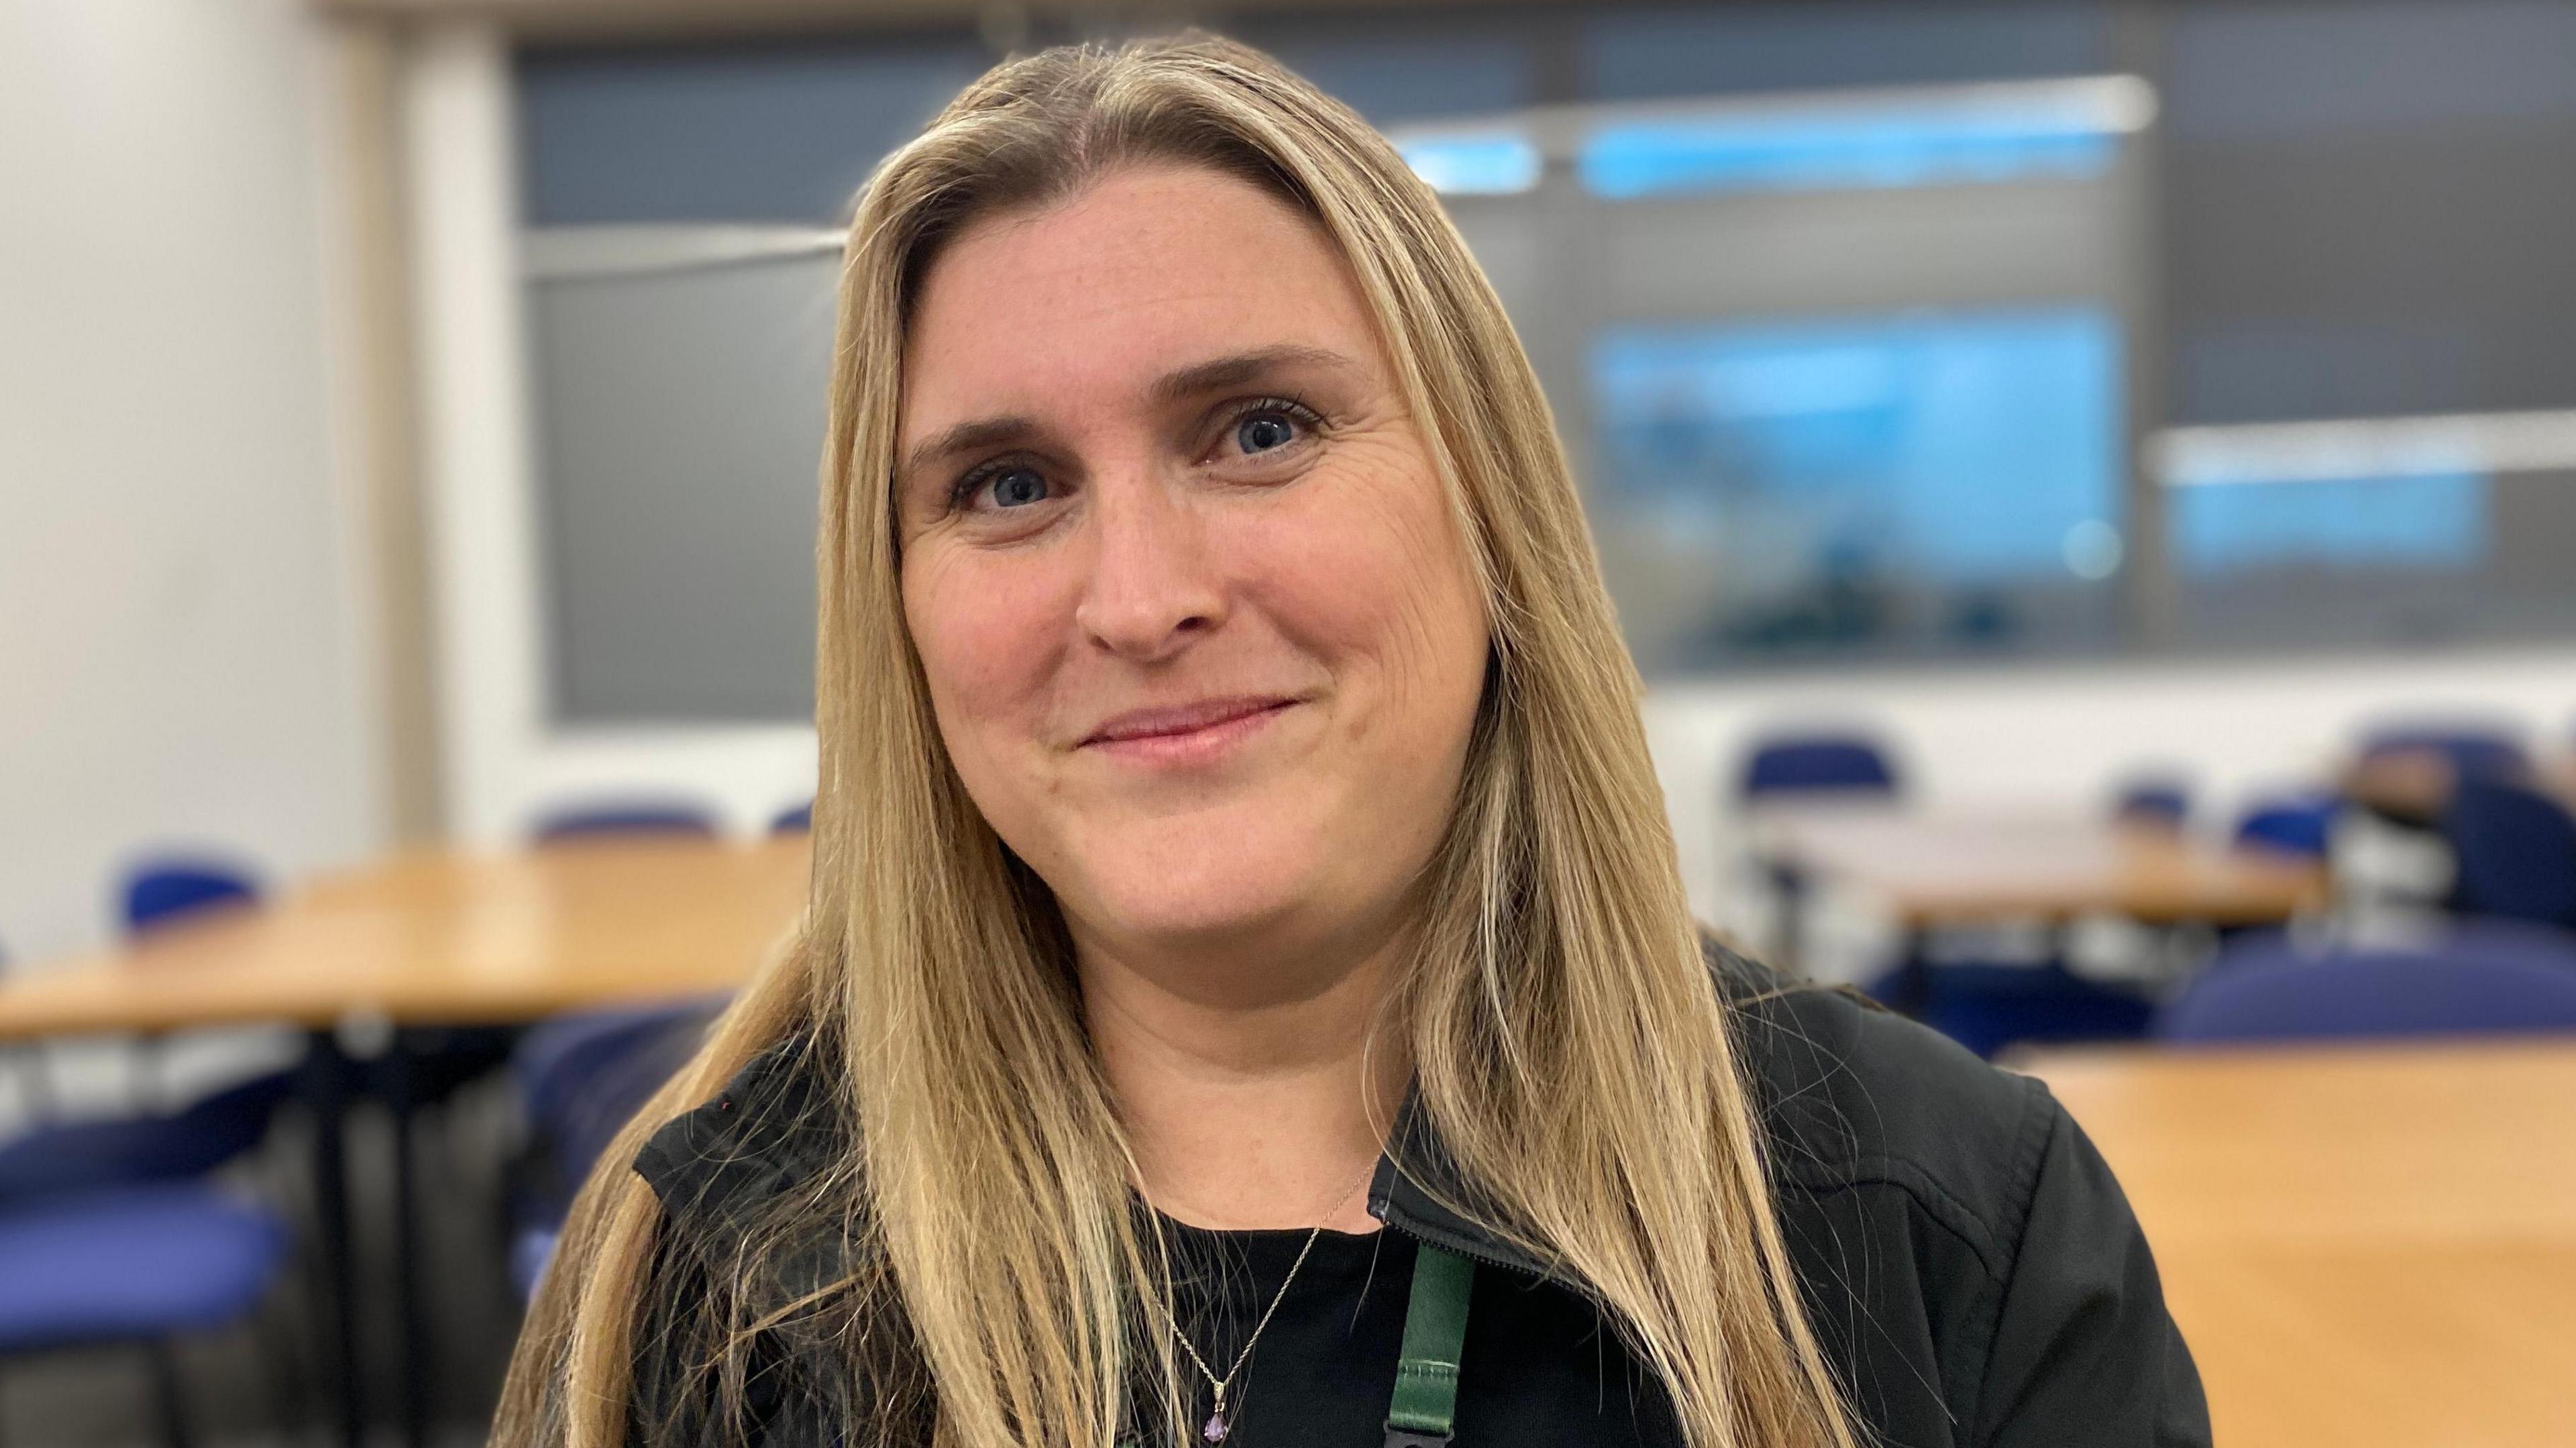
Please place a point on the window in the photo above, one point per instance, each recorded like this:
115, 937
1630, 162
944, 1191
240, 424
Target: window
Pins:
1843, 310
686, 210
1914, 483
1845, 374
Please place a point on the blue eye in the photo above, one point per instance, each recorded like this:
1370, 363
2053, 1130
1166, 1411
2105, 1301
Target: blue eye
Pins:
1263, 431
1018, 487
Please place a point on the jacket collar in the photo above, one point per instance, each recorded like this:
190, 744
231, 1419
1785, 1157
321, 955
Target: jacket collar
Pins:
718, 1156
729, 1157
1416, 1181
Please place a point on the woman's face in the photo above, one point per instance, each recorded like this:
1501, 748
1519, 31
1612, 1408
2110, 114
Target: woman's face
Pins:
1202, 635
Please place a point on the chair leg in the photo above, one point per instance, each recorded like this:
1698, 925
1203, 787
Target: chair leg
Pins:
167, 1400
281, 1362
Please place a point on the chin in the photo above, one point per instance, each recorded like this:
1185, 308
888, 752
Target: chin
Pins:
1219, 890
1220, 898
1211, 871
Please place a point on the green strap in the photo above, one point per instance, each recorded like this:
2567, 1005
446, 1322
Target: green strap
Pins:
1424, 1409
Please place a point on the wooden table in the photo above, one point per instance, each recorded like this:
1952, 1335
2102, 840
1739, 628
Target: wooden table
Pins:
2364, 1245
439, 939
420, 941
1932, 869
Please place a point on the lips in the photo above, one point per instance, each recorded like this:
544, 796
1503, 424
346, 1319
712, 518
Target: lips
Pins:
1180, 722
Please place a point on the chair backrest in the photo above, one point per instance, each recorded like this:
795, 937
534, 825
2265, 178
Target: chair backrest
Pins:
1817, 763
796, 820
631, 817
160, 890
2294, 824
2475, 751
231, 1121
2496, 979
118, 1151
584, 1075
2153, 801
2517, 852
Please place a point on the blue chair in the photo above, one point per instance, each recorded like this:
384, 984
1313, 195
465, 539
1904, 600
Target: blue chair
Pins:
53, 1159
1989, 1007
2471, 980
2291, 824
2517, 853
134, 1265
582, 1075
595, 821
1796, 766
158, 891
795, 821
105, 1236
2161, 802
2475, 751
1814, 764
581, 1079
81, 1156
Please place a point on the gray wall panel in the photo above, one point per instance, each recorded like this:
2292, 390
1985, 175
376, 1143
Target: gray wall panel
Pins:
682, 416
1859, 250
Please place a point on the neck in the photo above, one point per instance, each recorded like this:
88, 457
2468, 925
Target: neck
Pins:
1252, 1096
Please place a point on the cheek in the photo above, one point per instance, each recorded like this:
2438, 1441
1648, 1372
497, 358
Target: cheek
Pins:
985, 644
1376, 580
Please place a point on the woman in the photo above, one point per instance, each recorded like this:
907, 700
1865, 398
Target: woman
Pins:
1247, 993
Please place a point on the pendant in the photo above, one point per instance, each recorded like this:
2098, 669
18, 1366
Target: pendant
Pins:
1216, 1428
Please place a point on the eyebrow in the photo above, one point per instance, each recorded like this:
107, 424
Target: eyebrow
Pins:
965, 437
1224, 372
1180, 385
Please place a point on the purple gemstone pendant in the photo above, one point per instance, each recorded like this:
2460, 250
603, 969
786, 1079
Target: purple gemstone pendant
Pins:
1216, 1428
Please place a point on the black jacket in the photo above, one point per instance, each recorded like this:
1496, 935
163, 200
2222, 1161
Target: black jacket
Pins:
1974, 1272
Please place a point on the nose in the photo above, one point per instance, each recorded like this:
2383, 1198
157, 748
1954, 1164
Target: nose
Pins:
1153, 588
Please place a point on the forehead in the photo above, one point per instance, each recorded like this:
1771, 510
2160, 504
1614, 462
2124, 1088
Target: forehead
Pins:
1144, 271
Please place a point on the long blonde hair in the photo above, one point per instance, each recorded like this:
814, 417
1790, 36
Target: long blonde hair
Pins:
1568, 1046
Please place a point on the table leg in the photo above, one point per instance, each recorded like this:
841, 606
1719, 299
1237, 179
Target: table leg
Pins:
326, 1089
401, 1092
169, 1395
1914, 975
1789, 918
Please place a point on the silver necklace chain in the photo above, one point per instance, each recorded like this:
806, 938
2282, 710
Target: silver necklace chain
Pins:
1218, 1426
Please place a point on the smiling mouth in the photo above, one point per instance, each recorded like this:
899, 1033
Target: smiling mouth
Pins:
1187, 730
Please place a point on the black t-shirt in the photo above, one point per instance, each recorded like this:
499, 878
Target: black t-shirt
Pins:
1537, 1370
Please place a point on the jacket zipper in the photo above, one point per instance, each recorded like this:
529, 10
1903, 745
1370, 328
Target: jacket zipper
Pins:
1448, 1241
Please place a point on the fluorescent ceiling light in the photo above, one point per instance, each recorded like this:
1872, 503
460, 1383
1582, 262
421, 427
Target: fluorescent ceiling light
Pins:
1473, 163
2355, 448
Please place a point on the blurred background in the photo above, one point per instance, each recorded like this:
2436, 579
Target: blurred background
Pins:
2090, 485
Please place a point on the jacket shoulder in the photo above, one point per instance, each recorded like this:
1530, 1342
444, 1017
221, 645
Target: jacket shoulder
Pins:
1851, 1094
771, 1128
2014, 1276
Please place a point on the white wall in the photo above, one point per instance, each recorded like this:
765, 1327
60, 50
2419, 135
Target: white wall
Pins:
2061, 737
179, 622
